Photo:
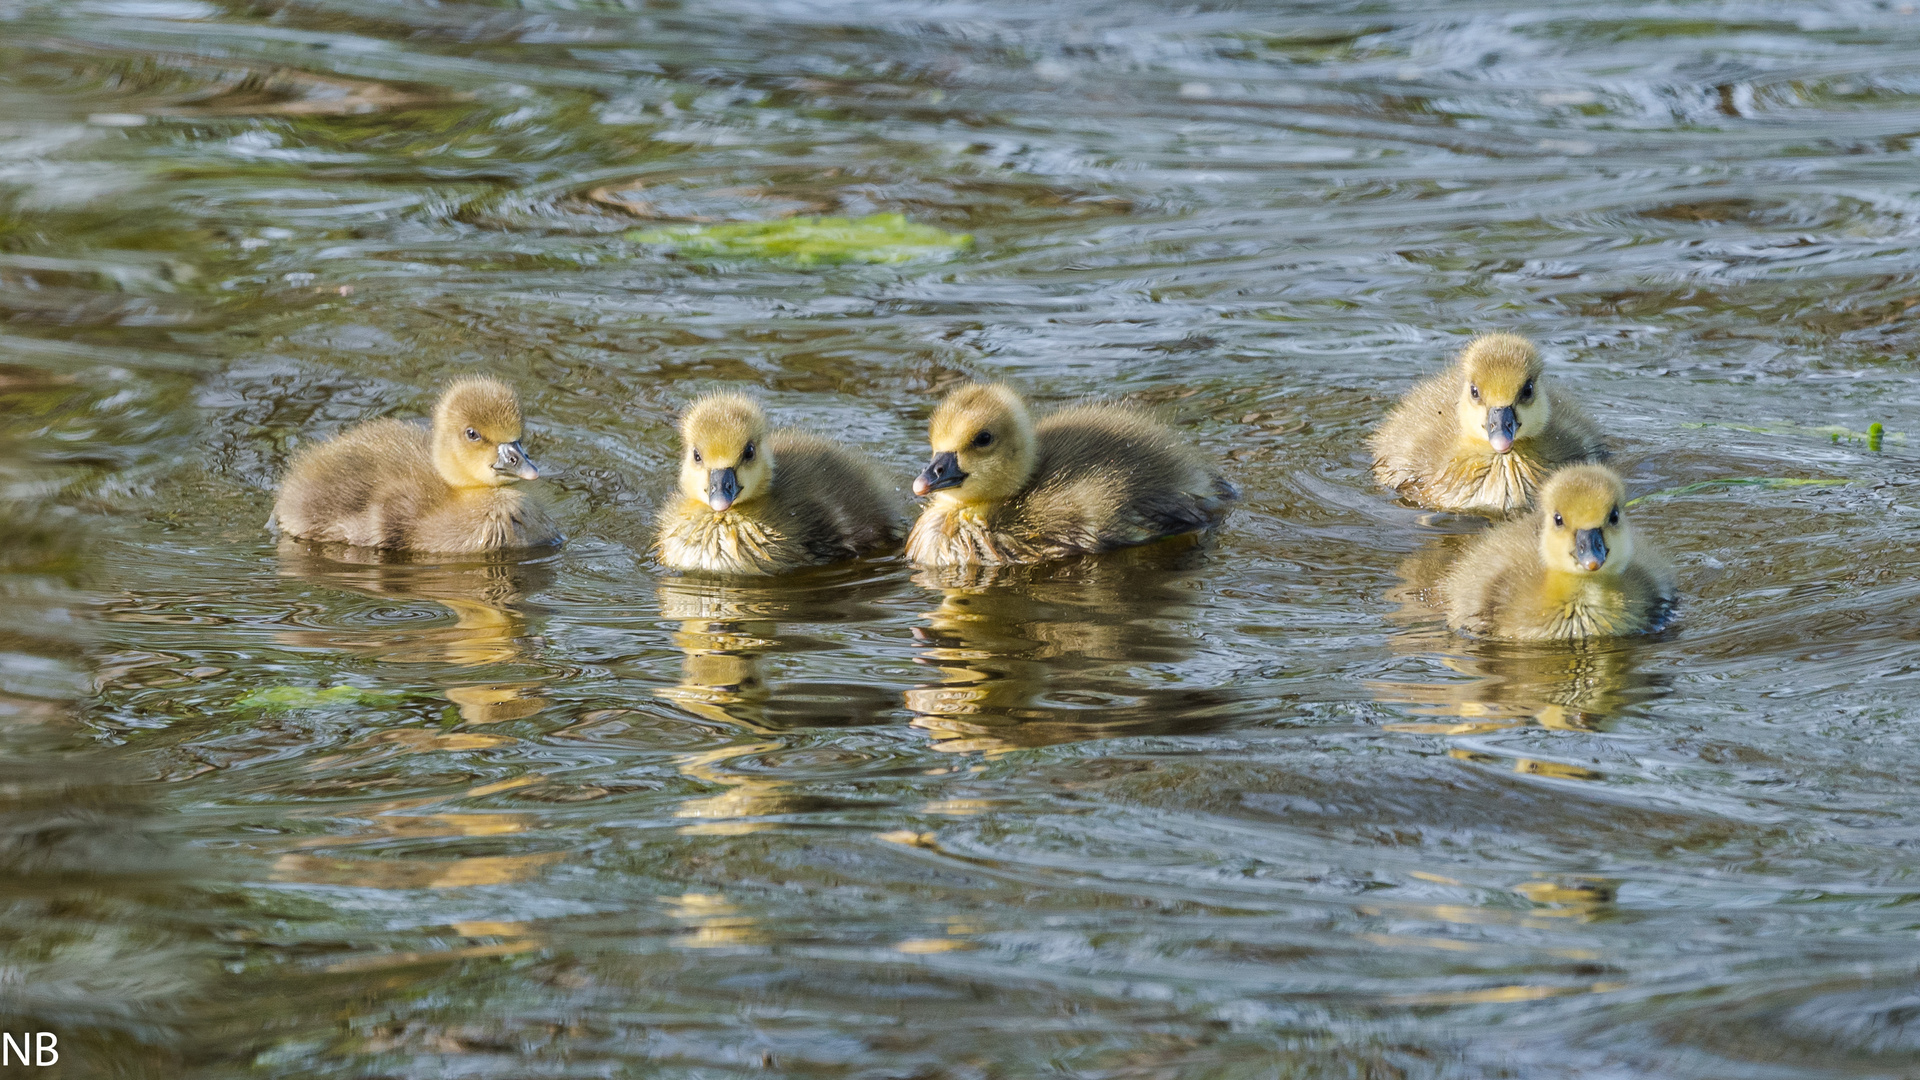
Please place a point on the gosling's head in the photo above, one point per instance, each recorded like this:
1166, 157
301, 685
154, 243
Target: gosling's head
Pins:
725, 459
476, 435
1583, 528
1501, 400
982, 446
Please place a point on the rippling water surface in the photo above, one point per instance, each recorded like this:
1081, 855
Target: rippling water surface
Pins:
1242, 808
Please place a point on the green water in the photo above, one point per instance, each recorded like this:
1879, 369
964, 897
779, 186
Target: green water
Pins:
1227, 810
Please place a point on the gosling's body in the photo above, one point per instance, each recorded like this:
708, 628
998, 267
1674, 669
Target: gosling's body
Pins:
1574, 568
799, 499
1083, 480
395, 485
1483, 435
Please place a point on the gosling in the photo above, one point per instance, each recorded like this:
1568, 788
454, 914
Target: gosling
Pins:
1084, 480
1571, 569
394, 485
754, 502
1484, 434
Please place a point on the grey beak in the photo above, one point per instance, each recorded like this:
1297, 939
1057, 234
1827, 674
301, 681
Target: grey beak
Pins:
513, 460
1502, 425
723, 486
941, 473
1589, 549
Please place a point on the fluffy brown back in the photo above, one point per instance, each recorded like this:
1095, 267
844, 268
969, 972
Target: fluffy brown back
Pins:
1108, 476
363, 487
829, 499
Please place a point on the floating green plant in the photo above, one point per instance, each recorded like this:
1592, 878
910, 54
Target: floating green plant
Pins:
880, 238
1739, 481
282, 698
1873, 436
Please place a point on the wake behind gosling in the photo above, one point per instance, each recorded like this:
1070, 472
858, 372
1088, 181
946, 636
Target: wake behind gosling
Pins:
1086, 479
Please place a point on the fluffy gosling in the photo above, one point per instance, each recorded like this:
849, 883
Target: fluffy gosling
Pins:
1482, 435
758, 502
391, 484
1086, 479
1573, 568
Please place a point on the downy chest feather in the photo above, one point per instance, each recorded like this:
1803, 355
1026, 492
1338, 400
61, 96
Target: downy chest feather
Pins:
960, 536
724, 543
1477, 478
1578, 605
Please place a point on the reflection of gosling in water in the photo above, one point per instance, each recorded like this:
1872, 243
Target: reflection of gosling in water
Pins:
1570, 569
1483, 434
391, 484
754, 502
1085, 479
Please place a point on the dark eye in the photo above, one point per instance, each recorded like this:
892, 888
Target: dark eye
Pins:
472, 435
1614, 517
985, 438
1474, 390
1557, 522
1526, 392
747, 454
696, 457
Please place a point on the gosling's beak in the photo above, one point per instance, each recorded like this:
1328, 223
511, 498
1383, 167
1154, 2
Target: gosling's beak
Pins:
942, 473
722, 488
1589, 549
513, 460
1502, 424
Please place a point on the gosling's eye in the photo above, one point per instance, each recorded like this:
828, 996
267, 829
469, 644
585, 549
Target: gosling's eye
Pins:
1526, 392
985, 438
747, 454
1557, 522
1474, 390
1614, 517
472, 435
696, 457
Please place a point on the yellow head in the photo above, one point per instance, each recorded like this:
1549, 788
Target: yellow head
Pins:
983, 448
725, 459
1501, 397
1583, 527
476, 435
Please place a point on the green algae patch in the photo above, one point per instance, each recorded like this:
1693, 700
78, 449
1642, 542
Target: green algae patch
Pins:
1741, 481
1875, 434
285, 698
811, 241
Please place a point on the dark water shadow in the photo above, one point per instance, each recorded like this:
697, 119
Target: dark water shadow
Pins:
729, 628
1027, 656
487, 596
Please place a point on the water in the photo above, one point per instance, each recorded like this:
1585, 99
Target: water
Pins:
1241, 808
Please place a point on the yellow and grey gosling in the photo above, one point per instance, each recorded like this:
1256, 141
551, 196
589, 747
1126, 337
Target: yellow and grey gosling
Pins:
1573, 568
758, 502
1085, 479
395, 485
1483, 434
